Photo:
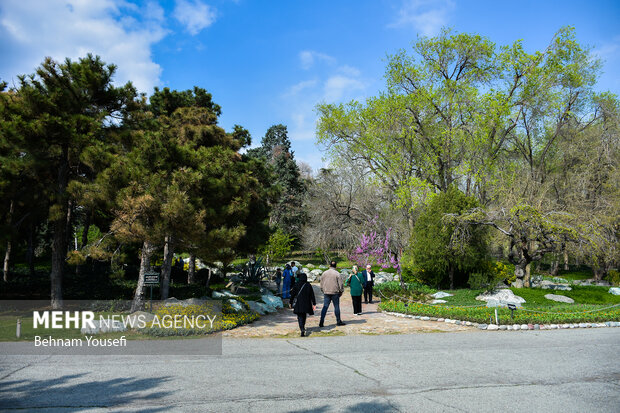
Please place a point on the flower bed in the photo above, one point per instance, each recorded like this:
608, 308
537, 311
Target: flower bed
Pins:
225, 320
481, 314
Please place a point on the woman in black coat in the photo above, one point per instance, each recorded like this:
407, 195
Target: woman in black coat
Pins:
304, 303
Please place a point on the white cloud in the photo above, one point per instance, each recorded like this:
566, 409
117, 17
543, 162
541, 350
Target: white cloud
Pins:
297, 88
425, 16
333, 85
120, 32
609, 50
309, 57
194, 15
339, 86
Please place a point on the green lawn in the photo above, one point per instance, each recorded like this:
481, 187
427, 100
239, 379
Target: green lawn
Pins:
535, 297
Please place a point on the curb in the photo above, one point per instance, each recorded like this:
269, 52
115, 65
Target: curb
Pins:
508, 327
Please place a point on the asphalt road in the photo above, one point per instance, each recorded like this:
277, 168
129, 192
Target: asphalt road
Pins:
520, 371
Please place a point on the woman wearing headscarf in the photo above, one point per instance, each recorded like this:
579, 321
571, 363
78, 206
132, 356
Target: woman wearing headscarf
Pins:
304, 302
356, 280
287, 282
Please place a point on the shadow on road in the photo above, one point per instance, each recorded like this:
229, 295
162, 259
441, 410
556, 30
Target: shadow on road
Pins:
88, 393
374, 406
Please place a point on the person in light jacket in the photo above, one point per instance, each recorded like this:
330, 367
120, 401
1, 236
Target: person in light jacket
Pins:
356, 281
332, 287
304, 302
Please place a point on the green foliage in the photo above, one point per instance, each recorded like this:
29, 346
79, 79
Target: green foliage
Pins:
280, 244
287, 209
435, 253
413, 291
613, 276
491, 274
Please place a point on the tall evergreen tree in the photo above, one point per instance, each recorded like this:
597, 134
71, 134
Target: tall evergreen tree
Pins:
67, 111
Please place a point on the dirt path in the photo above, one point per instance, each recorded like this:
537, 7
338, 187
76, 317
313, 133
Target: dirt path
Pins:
371, 322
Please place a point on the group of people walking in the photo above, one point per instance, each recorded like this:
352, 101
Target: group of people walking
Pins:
303, 301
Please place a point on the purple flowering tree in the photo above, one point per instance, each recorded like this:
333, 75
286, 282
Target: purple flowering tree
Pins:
375, 249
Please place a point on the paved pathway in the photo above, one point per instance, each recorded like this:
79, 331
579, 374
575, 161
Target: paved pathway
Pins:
371, 322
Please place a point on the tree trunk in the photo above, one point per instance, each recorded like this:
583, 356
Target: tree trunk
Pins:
209, 277
59, 226
7, 254
145, 265
84, 240
191, 270
166, 267
527, 280
7, 257
451, 276
30, 252
555, 266
565, 253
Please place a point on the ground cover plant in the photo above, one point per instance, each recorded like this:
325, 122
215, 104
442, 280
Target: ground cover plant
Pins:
592, 304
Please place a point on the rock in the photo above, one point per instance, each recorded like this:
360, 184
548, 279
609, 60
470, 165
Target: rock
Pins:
530, 326
272, 301
438, 301
425, 318
383, 277
106, 325
554, 326
549, 285
236, 305
614, 290
582, 325
440, 319
482, 326
503, 298
559, 298
305, 270
309, 265
493, 327
441, 294
224, 294
171, 301
524, 327
503, 327
261, 308
536, 326
518, 283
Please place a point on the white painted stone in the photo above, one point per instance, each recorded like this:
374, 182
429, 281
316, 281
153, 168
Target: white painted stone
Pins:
493, 327
614, 290
441, 294
559, 298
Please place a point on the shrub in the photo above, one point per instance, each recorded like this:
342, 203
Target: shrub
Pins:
413, 291
436, 260
613, 276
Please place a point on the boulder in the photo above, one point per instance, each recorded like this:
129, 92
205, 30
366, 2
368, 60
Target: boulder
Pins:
272, 301
236, 305
614, 290
549, 285
440, 294
309, 265
222, 294
383, 277
260, 308
311, 277
501, 299
438, 301
559, 298
135, 320
104, 326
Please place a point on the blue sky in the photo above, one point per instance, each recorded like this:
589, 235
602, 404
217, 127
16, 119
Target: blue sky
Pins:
268, 62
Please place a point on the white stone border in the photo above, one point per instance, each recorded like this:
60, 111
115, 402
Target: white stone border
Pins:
509, 327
